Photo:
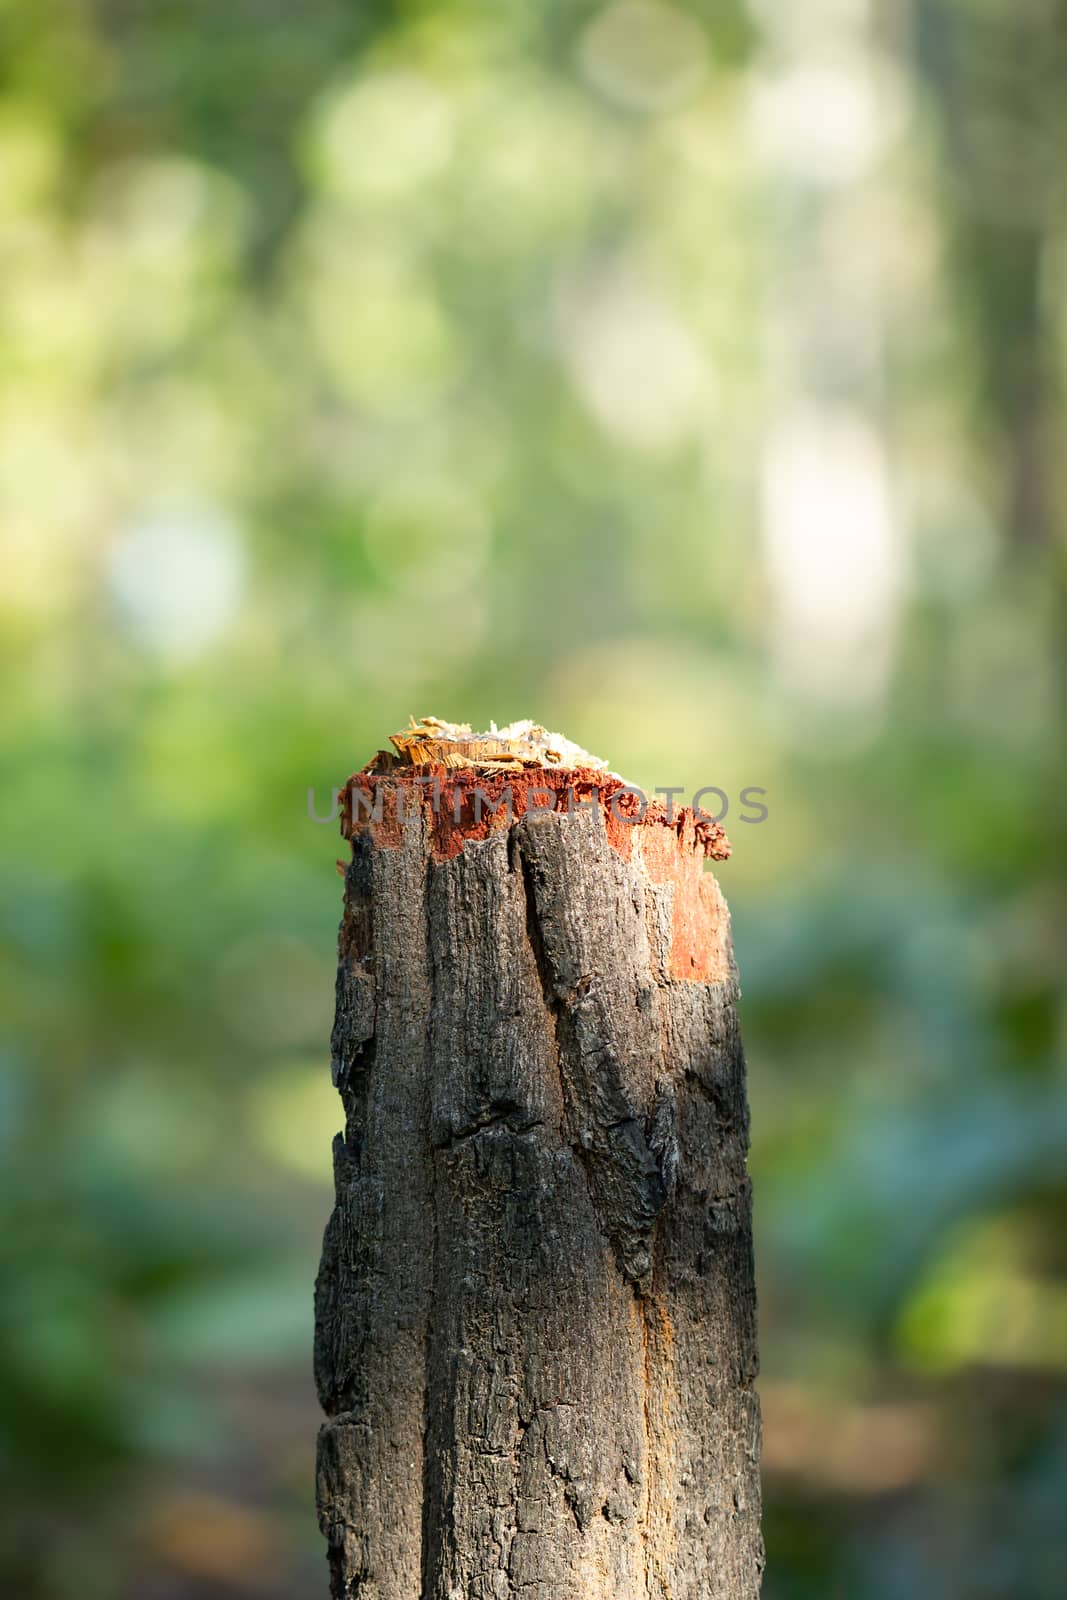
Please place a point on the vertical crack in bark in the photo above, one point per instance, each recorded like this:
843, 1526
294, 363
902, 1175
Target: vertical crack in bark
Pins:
656, 1523
606, 1131
562, 1030
518, 864
645, 1520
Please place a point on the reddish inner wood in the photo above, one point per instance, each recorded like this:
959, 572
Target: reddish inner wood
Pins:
670, 849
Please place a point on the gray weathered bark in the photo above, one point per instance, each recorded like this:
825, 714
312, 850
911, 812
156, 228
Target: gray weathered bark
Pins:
535, 1315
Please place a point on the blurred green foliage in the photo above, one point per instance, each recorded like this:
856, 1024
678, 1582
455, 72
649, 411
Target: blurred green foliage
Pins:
690, 378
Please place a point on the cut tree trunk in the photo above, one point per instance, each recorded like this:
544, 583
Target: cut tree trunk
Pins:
535, 1314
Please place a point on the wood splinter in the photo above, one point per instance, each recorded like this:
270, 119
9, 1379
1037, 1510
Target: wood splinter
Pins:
535, 1314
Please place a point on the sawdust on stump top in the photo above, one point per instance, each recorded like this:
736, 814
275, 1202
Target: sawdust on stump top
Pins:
432, 742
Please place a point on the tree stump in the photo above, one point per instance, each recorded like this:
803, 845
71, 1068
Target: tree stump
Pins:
535, 1313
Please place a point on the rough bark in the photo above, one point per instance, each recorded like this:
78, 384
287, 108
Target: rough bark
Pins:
535, 1314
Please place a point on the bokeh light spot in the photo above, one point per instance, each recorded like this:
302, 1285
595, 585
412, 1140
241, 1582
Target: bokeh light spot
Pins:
176, 577
642, 56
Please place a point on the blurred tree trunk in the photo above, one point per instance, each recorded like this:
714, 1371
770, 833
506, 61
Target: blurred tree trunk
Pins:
535, 1315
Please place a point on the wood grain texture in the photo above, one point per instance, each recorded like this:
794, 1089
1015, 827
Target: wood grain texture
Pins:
535, 1314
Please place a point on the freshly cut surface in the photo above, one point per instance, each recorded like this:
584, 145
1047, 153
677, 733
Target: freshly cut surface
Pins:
433, 742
